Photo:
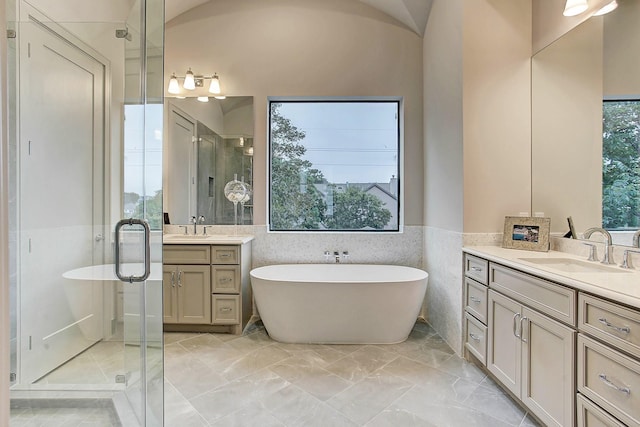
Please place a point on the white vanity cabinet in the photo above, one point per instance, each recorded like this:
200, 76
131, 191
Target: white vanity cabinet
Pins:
206, 287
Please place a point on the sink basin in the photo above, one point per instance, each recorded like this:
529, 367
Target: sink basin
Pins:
571, 265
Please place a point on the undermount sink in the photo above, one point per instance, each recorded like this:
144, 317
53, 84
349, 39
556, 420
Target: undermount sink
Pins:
571, 265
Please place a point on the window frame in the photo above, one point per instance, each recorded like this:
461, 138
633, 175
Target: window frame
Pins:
398, 100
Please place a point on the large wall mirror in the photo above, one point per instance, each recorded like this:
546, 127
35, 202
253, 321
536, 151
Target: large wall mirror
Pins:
574, 80
207, 145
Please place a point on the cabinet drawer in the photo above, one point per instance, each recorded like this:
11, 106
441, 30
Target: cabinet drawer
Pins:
590, 415
476, 340
476, 299
225, 255
549, 298
186, 254
225, 309
226, 279
476, 268
610, 322
610, 379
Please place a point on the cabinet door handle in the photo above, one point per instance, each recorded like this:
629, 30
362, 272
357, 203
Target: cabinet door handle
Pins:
522, 329
225, 280
515, 325
180, 278
225, 309
476, 300
475, 337
173, 279
622, 329
609, 383
224, 255
476, 268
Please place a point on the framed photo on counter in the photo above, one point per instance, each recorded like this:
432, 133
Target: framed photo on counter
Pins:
528, 233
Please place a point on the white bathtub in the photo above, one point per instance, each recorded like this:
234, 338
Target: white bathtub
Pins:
338, 303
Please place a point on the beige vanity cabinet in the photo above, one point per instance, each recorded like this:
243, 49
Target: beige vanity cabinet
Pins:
209, 291
608, 362
186, 289
533, 356
475, 297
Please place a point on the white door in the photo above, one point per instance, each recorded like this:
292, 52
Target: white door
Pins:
61, 197
181, 167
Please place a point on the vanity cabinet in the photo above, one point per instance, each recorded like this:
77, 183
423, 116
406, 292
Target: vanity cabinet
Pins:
206, 288
608, 362
526, 327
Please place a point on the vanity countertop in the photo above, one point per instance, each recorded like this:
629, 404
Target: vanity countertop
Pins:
212, 239
613, 282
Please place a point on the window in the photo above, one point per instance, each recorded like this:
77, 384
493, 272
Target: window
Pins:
621, 165
334, 165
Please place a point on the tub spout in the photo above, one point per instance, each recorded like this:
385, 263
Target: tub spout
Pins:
337, 255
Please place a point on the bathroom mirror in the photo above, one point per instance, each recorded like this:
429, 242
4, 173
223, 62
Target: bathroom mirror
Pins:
597, 60
207, 144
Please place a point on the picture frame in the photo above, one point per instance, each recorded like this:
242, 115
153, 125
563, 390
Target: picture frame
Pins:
527, 233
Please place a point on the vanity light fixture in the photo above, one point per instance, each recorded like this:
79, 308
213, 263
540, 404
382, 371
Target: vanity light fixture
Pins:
192, 81
203, 98
607, 8
575, 7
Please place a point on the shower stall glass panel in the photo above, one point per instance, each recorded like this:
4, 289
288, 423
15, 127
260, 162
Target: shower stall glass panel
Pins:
85, 152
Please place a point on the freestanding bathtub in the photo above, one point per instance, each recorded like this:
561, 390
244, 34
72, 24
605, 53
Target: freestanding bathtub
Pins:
338, 303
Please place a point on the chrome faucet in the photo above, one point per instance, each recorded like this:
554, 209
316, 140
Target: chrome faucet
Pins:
636, 239
607, 259
195, 222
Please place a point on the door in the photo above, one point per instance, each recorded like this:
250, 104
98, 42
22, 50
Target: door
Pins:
504, 352
549, 368
194, 294
60, 199
170, 293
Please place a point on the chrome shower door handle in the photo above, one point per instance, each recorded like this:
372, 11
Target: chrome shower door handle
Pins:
147, 250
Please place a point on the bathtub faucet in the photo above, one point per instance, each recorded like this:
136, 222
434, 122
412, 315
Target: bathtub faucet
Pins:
336, 256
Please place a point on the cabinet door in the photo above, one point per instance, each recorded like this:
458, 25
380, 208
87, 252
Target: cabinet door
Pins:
169, 293
194, 294
504, 349
548, 382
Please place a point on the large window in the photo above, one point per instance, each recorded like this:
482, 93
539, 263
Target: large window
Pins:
621, 165
334, 165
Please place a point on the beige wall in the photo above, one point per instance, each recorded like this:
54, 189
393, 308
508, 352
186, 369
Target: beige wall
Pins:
549, 24
621, 37
496, 112
443, 121
305, 48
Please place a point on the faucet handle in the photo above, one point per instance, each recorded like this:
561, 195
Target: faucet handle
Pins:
593, 254
626, 258
186, 229
327, 255
204, 230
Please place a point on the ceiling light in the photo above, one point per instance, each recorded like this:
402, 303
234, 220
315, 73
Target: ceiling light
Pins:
174, 87
189, 81
214, 87
193, 81
575, 7
203, 98
608, 8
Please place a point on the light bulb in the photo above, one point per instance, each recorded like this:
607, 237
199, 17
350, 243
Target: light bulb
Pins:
575, 7
174, 87
608, 8
214, 87
189, 81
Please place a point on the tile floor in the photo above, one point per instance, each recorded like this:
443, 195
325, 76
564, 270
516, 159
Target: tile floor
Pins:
222, 380
251, 380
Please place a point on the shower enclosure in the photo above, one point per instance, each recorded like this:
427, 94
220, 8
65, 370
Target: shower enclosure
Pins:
85, 206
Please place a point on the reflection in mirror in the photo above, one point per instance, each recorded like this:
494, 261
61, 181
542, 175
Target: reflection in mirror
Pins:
207, 143
595, 62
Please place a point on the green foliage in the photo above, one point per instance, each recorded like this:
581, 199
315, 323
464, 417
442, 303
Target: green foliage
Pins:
355, 210
621, 165
296, 204
151, 210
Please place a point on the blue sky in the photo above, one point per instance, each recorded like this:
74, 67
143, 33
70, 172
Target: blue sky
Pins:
348, 141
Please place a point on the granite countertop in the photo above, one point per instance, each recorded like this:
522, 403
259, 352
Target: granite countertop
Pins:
612, 282
212, 239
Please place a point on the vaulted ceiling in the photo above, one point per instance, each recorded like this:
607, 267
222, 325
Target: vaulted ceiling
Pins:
411, 13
